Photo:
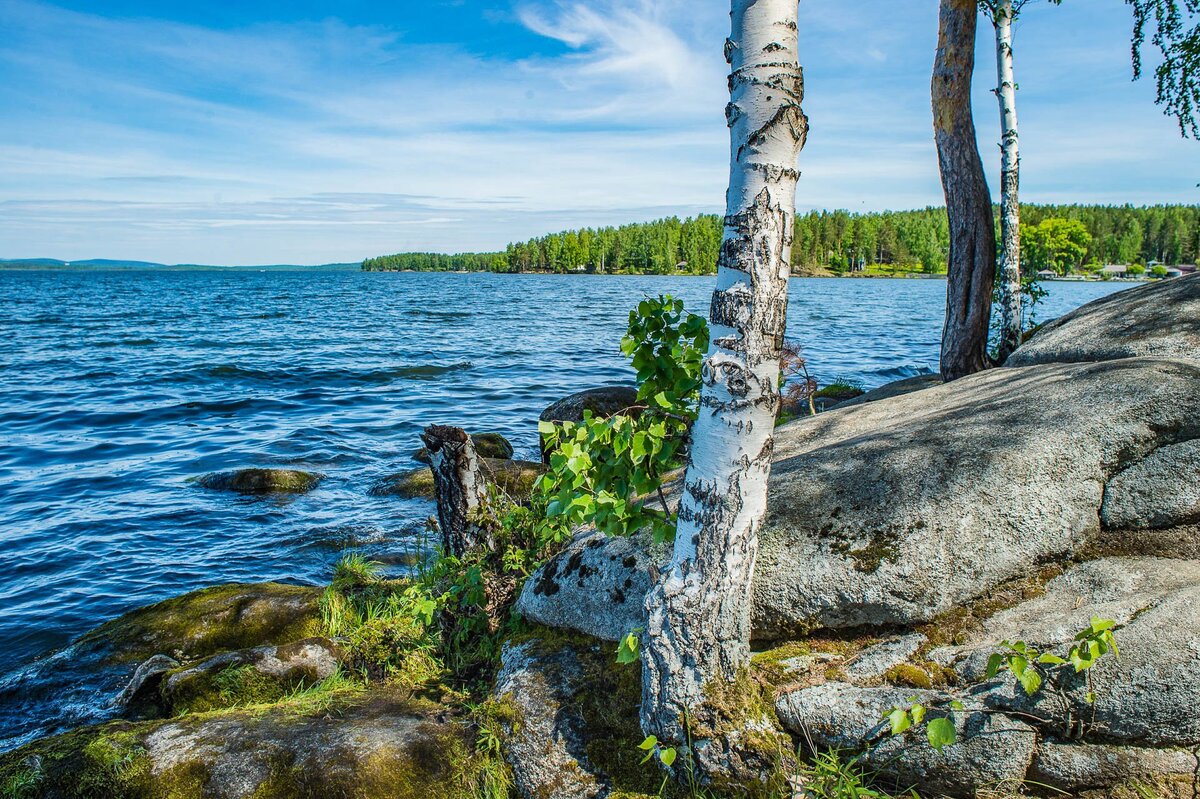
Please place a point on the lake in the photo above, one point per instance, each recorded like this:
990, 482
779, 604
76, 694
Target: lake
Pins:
116, 389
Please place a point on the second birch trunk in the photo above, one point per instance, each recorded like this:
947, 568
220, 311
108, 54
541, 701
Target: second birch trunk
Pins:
1010, 182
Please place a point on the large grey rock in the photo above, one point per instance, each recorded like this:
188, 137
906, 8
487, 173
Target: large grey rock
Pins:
1148, 695
1161, 491
892, 512
613, 572
992, 749
1081, 767
1160, 319
546, 740
896, 388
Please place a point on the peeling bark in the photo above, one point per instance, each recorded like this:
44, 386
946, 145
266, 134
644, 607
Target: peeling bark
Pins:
972, 267
1004, 13
459, 485
698, 633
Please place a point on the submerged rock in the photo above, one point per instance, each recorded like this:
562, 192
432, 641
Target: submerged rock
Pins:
376, 744
892, 512
602, 402
487, 445
410, 484
514, 477
262, 481
1161, 319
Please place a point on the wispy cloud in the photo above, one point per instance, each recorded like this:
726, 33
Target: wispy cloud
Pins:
157, 139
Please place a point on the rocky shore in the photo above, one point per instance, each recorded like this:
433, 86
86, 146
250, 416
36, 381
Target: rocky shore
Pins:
912, 534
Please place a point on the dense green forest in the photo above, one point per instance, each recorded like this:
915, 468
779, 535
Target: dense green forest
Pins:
837, 241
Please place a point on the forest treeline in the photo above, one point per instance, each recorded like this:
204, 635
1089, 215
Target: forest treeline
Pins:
837, 241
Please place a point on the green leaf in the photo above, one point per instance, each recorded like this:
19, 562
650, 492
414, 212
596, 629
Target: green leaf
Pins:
667, 756
648, 744
918, 713
941, 733
627, 650
1052, 660
898, 719
995, 662
956, 705
1031, 681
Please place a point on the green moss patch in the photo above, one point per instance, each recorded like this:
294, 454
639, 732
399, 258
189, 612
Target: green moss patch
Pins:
209, 621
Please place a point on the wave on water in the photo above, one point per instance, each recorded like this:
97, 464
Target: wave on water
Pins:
314, 376
438, 315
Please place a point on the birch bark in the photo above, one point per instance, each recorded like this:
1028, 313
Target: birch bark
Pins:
698, 633
1010, 181
972, 267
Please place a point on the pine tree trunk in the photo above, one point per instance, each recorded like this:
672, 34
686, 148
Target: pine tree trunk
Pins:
459, 486
698, 636
1010, 182
972, 268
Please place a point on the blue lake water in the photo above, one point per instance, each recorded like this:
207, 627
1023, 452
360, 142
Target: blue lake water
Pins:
117, 388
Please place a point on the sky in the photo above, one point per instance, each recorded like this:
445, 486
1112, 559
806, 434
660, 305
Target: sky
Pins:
292, 131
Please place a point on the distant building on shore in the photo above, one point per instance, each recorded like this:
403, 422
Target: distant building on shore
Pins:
1115, 270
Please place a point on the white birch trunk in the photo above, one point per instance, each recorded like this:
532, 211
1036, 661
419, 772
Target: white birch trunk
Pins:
1010, 181
699, 612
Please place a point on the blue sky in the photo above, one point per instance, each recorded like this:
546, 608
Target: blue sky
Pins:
304, 132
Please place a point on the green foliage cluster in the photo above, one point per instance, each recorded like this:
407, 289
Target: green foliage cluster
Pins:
890, 242
1027, 664
1175, 31
1059, 245
602, 471
437, 262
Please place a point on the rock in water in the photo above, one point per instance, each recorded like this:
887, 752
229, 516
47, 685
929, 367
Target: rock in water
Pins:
203, 623
892, 512
602, 402
410, 484
262, 481
487, 445
1160, 319
514, 477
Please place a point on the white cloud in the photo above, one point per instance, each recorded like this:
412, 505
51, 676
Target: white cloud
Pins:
142, 138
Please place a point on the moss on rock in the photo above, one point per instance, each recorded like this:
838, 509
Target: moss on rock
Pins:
379, 743
262, 481
208, 621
